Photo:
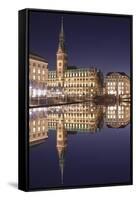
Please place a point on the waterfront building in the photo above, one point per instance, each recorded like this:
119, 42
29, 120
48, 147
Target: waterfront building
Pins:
118, 84
72, 82
38, 77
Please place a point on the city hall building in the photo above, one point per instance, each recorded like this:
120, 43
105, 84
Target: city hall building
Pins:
72, 81
65, 80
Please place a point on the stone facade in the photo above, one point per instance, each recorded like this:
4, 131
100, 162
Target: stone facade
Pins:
118, 84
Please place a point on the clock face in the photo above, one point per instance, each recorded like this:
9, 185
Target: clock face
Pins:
60, 64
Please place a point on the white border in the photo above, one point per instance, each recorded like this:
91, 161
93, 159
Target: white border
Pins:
9, 95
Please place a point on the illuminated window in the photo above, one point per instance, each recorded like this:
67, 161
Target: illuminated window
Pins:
34, 130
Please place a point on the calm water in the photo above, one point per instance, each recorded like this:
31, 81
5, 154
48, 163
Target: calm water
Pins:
80, 144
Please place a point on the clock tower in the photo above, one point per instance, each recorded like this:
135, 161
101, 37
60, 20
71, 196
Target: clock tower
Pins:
61, 54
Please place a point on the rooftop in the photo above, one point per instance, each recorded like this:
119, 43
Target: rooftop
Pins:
120, 73
76, 70
37, 57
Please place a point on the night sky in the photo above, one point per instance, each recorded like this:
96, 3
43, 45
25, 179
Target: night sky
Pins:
101, 41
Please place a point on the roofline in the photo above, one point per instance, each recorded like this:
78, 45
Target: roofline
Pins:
120, 73
37, 57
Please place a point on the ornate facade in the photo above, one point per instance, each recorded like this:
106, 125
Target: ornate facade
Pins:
38, 76
118, 84
73, 82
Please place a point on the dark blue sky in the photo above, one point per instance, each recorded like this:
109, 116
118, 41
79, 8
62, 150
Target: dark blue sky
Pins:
103, 41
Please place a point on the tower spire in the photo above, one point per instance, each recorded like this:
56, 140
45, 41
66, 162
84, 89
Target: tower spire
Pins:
61, 164
61, 38
62, 29
61, 55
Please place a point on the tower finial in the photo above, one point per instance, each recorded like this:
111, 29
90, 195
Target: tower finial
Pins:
62, 29
61, 37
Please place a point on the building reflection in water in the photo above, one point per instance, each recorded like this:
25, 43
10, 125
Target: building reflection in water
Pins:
38, 125
75, 118
117, 116
61, 143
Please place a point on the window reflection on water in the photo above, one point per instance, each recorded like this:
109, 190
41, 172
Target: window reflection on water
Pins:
74, 118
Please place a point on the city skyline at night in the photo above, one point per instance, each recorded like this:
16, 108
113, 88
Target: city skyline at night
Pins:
100, 41
73, 83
